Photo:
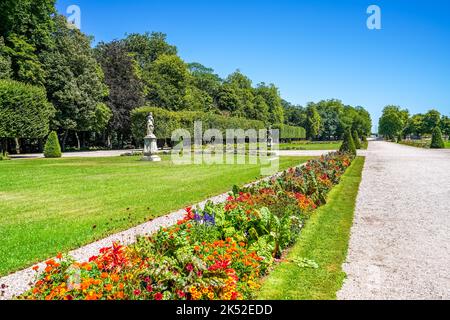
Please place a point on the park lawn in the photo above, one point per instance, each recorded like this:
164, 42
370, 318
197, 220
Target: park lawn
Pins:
50, 206
447, 144
325, 241
307, 145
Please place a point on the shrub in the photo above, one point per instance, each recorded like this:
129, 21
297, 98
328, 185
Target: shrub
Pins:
4, 156
348, 145
436, 141
291, 132
24, 110
356, 140
52, 148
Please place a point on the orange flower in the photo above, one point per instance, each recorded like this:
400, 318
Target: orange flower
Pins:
59, 256
115, 278
36, 268
104, 275
108, 287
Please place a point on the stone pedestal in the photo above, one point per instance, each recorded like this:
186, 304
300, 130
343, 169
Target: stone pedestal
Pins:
150, 149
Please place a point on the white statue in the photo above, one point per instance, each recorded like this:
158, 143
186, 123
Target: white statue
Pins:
150, 124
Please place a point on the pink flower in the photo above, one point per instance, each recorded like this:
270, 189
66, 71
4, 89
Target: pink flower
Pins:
137, 292
189, 267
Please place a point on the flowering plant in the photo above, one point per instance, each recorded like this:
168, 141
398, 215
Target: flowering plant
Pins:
218, 252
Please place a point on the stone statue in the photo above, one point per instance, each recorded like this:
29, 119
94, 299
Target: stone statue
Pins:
150, 124
150, 141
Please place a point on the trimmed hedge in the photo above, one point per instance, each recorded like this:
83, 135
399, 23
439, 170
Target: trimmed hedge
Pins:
167, 121
291, 132
356, 140
437, 142
348, 145
52, 148
24, 110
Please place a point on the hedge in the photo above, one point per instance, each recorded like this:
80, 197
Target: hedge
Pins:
291, 132
167, 121
24, 110
52, 148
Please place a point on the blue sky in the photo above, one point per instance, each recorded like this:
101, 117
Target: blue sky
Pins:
310, 49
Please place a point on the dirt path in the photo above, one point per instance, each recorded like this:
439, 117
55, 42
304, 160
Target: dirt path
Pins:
400, 243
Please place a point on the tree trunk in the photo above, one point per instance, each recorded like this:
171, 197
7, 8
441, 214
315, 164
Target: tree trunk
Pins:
66, 133
16, 140
3, 146
78, 141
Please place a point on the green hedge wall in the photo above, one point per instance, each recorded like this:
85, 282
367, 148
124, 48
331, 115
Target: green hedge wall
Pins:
291, 132
24, 110
167, 121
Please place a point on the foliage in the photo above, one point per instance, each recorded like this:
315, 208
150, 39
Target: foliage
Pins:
356, 140
313, 122
348, 145
436, 141
168, 121
291, 132
5, 61
24, 110
393, 121
177, 264
126, 91
75, 80
431, 120
52, 148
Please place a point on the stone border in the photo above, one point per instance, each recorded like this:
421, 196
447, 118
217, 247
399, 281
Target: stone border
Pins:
19, 282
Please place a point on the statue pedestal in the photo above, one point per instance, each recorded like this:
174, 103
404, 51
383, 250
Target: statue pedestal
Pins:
150, 149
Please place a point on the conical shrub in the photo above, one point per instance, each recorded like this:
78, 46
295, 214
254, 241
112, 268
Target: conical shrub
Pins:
52, 148
356, 140
436, 141
348, 145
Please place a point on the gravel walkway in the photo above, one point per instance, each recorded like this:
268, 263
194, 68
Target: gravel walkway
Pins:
400, 242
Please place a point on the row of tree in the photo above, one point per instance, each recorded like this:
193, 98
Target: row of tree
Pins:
329, 119
94, 90
398, 123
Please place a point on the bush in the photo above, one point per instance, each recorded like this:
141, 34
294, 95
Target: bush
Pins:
167, 121
436, 141
291, 132
52, 148
24, 110
356, 140
4, 156
348, 145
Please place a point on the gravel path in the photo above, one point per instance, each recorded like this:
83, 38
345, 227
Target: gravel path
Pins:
400, 242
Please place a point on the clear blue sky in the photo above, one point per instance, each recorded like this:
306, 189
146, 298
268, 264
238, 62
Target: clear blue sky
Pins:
310, 49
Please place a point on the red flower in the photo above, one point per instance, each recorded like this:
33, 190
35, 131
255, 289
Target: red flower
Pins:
137, 292
149, 288
189, 267
59, 256
158, 296
36, 268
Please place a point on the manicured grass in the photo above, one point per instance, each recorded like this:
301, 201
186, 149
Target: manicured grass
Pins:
447, 144
325, 241
307, 145
50, 206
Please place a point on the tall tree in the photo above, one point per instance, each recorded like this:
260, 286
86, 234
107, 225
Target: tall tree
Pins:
313, 121
26, 26
5, 61
167, 81
431, 120
126, 91
393, 121
273, 100
75, 82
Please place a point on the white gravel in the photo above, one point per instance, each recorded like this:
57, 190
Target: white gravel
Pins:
400, 242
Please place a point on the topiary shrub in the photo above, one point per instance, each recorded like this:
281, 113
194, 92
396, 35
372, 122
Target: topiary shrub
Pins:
52, 148
356, 140
436, 141
348, 145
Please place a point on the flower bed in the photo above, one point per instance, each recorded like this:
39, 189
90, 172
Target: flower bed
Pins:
220, 252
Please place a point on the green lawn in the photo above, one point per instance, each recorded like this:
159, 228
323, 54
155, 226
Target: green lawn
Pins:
50, 206
308, 145
447, 144
325, 241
